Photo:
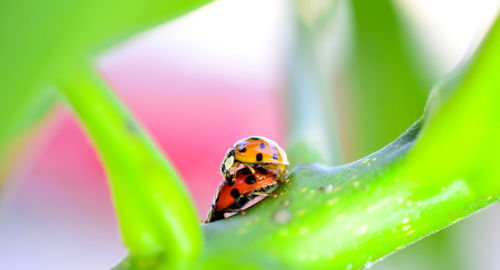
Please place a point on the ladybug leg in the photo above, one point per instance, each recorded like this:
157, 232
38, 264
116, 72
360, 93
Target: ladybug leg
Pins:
236, 165
250, 168
282, 175
253, 171
266, 191
267, 194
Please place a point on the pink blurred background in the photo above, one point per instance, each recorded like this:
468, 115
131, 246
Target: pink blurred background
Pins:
59, 209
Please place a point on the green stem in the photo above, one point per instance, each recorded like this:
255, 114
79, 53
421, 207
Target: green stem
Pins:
388, 79
155, 212
314, 135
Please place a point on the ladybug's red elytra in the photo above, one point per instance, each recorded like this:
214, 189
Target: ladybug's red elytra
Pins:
252, 152
233, 196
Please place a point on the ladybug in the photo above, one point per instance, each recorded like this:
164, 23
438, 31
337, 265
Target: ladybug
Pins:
233, 196
253, 152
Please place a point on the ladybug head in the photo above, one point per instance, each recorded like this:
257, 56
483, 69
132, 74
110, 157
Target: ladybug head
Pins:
227, 162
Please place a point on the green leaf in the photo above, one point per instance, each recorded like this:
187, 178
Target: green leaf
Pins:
49, 43
387, 75
155, 213
41, 40
353, 215
17, 114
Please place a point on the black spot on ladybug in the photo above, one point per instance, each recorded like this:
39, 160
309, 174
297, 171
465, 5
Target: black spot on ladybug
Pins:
262, 146
259, 157
238, 204
216, 200
230, 182
243, 150
275, 156
254, 138
235, 193
261, 170
245, 171
250, 179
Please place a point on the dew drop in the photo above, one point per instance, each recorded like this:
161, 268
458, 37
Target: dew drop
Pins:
410, 233
286, 203
281, 216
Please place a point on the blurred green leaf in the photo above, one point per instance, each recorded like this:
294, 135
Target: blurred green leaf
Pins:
388, 77
351, 216
156, 215
18, 119
50, 43
41, 40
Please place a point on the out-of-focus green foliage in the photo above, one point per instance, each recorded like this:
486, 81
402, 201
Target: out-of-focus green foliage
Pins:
313, 126
42, 40
387, 77
156, 215
48, 44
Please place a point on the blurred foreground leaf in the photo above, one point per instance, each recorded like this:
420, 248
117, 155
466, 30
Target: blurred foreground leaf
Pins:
48, 44
41, 40
156, 215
